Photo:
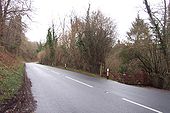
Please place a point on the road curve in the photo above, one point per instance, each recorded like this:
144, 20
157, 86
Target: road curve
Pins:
61, 91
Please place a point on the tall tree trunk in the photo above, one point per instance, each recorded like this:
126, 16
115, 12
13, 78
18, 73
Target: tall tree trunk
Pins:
1, 23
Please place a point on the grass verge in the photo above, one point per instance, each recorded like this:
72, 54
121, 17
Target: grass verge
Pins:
11, 80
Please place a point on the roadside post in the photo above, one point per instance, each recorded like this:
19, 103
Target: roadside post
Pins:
107, 73
65, 66
101, 67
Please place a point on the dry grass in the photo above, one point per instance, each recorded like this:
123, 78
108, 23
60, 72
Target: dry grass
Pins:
11, 74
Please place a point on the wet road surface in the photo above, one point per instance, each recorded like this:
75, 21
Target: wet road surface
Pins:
61, 91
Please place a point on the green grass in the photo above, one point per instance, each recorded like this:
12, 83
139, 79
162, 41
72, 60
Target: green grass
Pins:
10, 81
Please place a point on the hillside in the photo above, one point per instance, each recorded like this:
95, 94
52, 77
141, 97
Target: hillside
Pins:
15, 94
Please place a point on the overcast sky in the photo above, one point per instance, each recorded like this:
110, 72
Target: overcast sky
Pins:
123, 12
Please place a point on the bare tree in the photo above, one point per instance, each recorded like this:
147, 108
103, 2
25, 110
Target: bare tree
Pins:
8, 10
160, 30
96, 40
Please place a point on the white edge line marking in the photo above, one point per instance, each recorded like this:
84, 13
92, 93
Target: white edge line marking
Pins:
141, 105
79, 82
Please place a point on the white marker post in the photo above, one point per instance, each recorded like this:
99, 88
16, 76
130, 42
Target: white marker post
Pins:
65, 66
107, 73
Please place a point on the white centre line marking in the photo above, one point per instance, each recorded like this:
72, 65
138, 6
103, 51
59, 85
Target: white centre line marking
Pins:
79, 82
149, 108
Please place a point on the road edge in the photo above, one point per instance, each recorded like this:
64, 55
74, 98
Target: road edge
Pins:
23, 101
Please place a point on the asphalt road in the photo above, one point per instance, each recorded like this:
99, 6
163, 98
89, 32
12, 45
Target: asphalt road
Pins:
60, 91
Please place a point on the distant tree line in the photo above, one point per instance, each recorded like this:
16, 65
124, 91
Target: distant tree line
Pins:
89, 44
84, 46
